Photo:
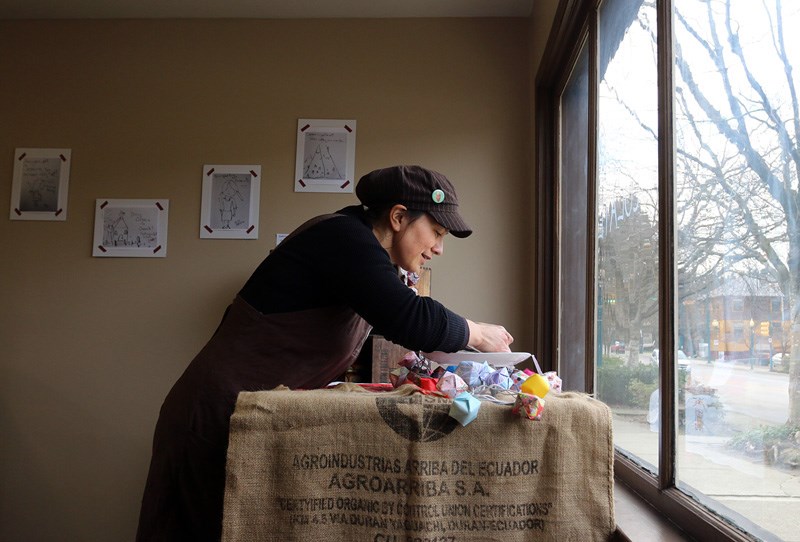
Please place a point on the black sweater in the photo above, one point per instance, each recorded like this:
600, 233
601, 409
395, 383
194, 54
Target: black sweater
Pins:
339, 261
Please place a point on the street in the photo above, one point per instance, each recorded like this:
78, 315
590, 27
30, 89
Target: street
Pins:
756, 394
747, 485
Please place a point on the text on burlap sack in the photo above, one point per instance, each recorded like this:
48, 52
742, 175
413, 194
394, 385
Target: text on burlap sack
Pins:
438, 499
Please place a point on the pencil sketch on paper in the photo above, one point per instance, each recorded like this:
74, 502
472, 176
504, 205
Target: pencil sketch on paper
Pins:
229, 204
325, 155
39, 184
231, 193
130, 227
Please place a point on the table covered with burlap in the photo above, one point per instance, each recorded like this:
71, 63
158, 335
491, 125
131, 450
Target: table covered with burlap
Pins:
346, 464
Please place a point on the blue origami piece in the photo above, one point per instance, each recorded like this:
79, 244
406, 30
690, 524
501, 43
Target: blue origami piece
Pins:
500, 378
465, 408
473, 372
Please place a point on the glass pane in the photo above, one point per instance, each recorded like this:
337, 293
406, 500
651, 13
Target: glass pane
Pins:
738, 256
626, 354
572, 234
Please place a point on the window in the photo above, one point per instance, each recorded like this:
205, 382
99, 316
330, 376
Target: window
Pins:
627, 233
674, 123
572, 267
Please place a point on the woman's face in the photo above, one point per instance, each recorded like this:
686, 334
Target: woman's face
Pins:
415, 242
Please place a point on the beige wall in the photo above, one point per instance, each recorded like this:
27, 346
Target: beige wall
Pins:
89, 346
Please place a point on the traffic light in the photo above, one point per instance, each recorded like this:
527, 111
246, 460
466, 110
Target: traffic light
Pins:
764, 329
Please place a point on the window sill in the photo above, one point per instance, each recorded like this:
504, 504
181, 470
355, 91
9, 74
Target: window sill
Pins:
637, 521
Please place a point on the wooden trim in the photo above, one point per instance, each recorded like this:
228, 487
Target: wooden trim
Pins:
667, 295
562, 44
591, 206
543, 272
563, 47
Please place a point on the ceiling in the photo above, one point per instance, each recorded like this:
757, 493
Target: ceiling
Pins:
259, 9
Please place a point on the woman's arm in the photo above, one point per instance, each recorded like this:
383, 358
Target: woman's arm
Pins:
489, 337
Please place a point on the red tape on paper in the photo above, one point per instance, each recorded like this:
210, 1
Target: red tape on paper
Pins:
210, 171
156, 249
344, 185
160, 208
209, 230
301, 183
306, 127
102, 248
250, 229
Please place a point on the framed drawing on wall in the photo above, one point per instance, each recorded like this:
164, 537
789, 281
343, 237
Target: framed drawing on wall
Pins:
132, 228
229, 207
326, 152
40, 184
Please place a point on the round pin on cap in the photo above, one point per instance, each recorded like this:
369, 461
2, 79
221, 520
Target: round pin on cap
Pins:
437, 196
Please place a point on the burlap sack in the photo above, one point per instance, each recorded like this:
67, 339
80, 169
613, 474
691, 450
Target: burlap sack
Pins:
344, 465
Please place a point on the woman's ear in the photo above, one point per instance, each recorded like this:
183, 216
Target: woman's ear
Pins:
397, 214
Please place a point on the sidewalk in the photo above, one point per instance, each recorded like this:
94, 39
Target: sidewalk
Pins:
763, 494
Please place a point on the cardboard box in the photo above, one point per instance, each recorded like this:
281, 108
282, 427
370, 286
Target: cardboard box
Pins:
385, 358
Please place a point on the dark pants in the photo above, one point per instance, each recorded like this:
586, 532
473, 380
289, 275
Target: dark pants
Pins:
183, 497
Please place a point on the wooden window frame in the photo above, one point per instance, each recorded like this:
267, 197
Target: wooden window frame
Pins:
575, 22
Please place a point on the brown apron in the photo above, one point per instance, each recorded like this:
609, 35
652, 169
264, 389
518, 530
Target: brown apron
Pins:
249, 352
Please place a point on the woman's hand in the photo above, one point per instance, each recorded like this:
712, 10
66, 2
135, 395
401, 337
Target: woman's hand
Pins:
489, 337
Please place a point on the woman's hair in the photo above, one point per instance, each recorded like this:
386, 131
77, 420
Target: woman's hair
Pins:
377, 214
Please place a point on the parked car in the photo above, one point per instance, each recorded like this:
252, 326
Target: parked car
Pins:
779, 359
684, 365
618, 347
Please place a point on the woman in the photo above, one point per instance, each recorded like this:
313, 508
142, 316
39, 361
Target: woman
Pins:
300, 321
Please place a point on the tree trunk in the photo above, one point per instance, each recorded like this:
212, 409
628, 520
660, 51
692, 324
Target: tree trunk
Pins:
794, 372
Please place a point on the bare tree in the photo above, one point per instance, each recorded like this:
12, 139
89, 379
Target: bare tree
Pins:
738, 152
628, 260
